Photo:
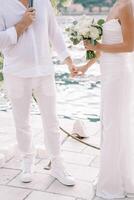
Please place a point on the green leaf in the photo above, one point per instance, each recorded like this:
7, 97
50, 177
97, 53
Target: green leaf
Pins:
100, 31
101, 22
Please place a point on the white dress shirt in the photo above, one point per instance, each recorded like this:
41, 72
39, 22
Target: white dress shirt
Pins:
30, 55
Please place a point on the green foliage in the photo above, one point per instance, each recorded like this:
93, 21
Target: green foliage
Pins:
59, 3
1, 61
101, 22
91, 3
85, 3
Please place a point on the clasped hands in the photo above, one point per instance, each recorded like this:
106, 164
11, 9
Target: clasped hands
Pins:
79, 71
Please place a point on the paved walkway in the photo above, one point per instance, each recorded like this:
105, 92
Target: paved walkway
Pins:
81, 161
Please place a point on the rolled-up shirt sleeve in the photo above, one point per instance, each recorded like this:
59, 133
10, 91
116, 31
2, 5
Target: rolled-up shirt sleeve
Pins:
8, 36
55, 34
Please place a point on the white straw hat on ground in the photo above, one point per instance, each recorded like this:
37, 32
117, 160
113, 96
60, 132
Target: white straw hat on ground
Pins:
80, 129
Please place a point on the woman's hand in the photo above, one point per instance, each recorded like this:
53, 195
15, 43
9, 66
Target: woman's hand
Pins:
89, 46
82, 69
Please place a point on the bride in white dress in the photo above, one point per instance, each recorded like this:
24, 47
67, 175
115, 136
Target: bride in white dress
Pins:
116, 179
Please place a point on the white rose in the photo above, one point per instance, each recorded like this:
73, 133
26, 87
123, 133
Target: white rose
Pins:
94, 32
84, 31
76, 28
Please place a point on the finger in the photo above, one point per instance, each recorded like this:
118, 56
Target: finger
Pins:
86, 42
34, 18
85, 46
80, 73
74, 70
32, 13
73, 74
31, 9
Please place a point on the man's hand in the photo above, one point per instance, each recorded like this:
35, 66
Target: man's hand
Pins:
71, 66
28, 18
73, 70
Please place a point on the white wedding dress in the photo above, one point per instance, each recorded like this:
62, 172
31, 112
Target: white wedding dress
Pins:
116, 177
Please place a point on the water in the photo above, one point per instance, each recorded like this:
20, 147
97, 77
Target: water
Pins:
77, 98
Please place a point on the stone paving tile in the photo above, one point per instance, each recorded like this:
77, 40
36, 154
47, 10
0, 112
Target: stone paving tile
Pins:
39, 168
5, 138
80, 190
10, 193
89, 150
93, 128
63, 137
8, 151
94, 140
96, 162
98, 198
7, 174
15, 163
40, 182
81, 199
47, 196
77, 158
72, 145
83, 173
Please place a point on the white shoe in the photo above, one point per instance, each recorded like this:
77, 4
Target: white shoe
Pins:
27, 169
130, 195
58, 171
26, 177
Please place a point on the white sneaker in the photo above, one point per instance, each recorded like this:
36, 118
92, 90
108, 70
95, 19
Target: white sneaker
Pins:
27, 169
130, 195
58, 171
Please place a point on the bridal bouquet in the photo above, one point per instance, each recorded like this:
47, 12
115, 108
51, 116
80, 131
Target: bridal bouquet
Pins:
86, 29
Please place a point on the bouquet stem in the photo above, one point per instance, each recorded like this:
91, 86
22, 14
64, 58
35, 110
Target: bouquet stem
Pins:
90, 55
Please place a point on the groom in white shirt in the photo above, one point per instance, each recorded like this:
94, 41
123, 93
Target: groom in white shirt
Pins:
25, 37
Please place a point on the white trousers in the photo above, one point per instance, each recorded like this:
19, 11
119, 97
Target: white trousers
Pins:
20, 93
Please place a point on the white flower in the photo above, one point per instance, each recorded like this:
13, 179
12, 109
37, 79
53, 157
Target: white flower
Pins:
84, 31
85, 27
94, 32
